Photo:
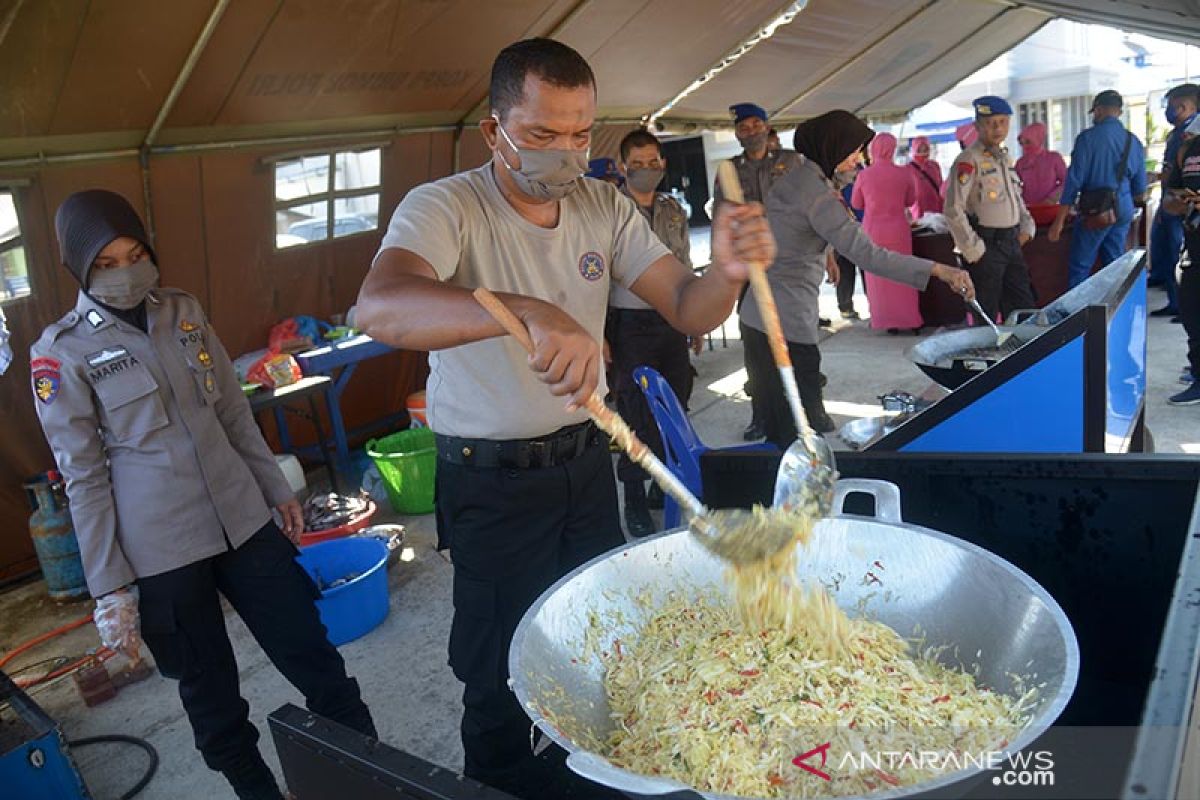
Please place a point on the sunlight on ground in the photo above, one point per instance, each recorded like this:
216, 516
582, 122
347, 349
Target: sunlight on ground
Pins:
1192, 448
731, 385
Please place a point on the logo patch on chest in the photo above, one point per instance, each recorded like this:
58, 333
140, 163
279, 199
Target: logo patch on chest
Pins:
591, 266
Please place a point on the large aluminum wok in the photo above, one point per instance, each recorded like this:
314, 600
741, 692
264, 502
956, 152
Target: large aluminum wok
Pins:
952, 592
954, 357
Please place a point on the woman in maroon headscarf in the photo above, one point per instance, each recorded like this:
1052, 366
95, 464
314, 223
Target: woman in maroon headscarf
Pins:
929, 178
1042, 171
884, 191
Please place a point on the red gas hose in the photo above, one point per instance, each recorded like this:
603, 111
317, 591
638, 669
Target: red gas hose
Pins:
102, 654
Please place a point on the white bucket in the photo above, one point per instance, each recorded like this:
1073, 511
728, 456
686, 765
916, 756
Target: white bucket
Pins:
293, 472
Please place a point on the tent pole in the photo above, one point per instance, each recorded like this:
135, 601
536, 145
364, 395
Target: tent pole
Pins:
456, 158
147, 197
784, 16
185, 72
9, 19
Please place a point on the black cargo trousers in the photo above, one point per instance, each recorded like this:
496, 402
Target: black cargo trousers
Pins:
1001, 276
184, 628
641, 337
516, 515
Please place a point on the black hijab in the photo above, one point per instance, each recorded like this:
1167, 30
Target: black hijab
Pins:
828, 139
87, 221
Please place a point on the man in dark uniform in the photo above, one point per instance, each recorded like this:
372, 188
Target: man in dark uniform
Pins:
525, 486
757, 168
637, 335
1166, 230
987, 215
1106, 157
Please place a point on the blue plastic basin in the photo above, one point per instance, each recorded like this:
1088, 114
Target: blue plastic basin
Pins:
355, 608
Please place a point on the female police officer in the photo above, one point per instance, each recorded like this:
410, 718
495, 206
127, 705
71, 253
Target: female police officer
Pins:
170, 485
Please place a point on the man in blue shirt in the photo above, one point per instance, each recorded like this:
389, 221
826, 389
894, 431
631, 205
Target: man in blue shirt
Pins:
1166, 233
1095, 164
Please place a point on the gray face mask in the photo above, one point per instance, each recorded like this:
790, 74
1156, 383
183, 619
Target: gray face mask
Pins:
123, 287
550, 174
753, 143
644, 180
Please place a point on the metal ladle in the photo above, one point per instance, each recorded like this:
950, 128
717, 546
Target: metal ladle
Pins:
1001, 336
807, 473
735, 535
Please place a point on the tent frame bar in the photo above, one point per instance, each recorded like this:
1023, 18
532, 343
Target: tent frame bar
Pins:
784, 16
185, 73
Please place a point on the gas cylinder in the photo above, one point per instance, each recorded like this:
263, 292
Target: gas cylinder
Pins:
54, 538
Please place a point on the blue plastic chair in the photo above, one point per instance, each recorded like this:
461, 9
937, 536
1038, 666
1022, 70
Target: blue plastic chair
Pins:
681, 446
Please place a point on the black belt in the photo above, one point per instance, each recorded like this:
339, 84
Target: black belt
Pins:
544, 451
987, 233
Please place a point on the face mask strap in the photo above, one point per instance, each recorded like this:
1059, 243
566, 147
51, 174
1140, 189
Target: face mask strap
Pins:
508, 139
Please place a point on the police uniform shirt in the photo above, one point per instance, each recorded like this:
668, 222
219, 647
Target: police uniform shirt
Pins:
983, 185
163, 460
757, 176
670, 225
467, 231
807, 216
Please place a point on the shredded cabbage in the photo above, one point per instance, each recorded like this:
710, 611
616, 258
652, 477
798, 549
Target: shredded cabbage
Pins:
698, 697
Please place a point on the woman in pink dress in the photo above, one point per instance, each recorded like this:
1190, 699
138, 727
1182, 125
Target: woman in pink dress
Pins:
1042, 171
929, 178
884, 191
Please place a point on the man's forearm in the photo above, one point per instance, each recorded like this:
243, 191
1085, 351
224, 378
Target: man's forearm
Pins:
705, 302
418, 313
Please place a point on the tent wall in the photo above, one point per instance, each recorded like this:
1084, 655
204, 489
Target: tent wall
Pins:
215, 232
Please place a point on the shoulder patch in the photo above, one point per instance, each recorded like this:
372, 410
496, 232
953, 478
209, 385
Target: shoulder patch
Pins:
964, 170
47, 377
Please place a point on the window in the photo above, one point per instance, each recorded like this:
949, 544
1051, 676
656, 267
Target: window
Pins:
14, 273
1032, 112
326, 196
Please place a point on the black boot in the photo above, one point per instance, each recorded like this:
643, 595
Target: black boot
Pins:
813, 400
252, 779
637, 514
756, 429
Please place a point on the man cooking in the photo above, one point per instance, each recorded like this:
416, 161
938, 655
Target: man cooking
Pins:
525, 488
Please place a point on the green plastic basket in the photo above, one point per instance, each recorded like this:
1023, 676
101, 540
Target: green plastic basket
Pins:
407, 461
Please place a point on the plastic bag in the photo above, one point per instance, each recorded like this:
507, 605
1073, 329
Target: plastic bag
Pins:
275, 370
118, 623
286, 337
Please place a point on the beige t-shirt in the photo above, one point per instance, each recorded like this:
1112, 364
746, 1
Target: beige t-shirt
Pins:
468, 232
